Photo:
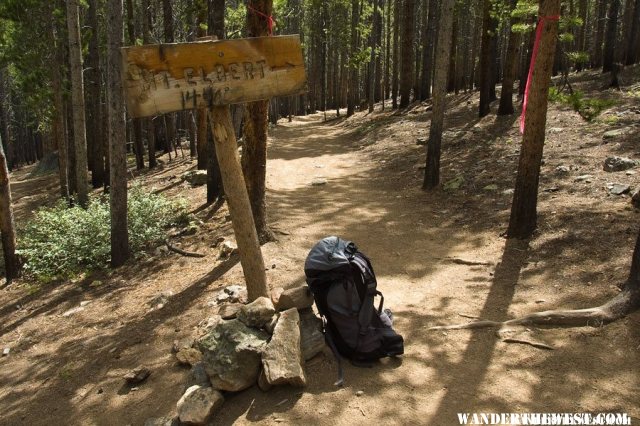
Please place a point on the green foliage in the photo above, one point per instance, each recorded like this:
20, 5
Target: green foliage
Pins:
578, 57
587, 108
60, 242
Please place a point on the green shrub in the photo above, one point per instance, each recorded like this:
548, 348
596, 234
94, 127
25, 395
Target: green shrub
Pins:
588, 108
60, 242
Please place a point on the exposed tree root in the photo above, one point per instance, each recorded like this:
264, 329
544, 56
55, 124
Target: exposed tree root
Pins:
533, 343
182, 252
621, 305
459, 261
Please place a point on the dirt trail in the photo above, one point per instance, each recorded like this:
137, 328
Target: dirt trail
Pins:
69, 370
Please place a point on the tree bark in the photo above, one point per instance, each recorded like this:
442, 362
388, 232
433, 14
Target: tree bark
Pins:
77, 96
94, 96
239, 206
254, 155
610, 41
58, 111
633, 48
136, 122
428, 43
432, 171
510, 70
354, 84
215, 188
396, 53
117, 147
7, 225
486, 59
407, 53
523, 218
151, 129
169, 37
596, 53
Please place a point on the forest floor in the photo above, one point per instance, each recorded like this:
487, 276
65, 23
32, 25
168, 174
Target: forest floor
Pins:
440, 258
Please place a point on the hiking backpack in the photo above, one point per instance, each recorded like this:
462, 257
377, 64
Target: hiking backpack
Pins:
344, 286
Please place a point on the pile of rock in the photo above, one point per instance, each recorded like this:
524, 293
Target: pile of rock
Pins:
265, 342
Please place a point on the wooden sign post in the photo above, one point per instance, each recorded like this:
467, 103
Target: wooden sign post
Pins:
213, 74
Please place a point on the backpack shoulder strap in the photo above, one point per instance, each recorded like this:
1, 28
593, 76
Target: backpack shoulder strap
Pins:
369, 280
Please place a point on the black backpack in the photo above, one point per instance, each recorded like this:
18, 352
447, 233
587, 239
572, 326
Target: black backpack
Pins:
344, 286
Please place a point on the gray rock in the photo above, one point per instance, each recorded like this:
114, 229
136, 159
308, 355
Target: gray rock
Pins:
197, 376
584, 178
635, 199
311, 338
618, 164
318, 182
619, 189
282, 358
612, 134
181, 344
198, 404
231, 355
562, 169
163, 421
257, 313
229, 310
237, 293
298, 297
227, 249
137, 375
422, 141
195, 177
6, 351
189, 356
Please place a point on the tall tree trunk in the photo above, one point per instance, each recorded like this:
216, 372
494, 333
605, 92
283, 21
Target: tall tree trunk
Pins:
610, 41
627, 28
4, 116
432, 171
386, 85
580, 38
215, 187
77, 96
633, 48
94, 126
137, 122
510, 69
254, 155
596, 53
396, 53
354, 84
7, 225
428, 42
407, 53
373, 77
486, 59
169, 37
58, 113
451, 84
117, 147
523, 218
146, 39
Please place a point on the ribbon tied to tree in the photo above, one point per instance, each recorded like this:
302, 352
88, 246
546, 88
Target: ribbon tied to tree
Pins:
269, 18
534, 55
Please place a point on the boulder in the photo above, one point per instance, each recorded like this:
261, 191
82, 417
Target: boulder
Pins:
299, 298
275, 295
612, 134
619, 189
197, 376
198, 404
311, 338
282, 357
257, 313
229, 310
618, 164
189, 356
231, 355
137, 375
635, 199
195, 177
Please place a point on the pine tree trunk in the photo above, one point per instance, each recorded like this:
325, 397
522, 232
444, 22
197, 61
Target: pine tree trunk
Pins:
94, 96
407, 53
580, 38
633, 49
151, 128
396, 53
451, 83
7, 225
169, 37
596, 53
427, 53
77, 96
117, 147
523, 218
386, 85
138, 145
373, 82
510, 70
610, 41
354, 84
58, 111
215, 188
432, 171
254, 155
626, 30
486, 60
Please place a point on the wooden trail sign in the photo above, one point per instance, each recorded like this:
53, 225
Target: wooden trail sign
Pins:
213, 74
166, 78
